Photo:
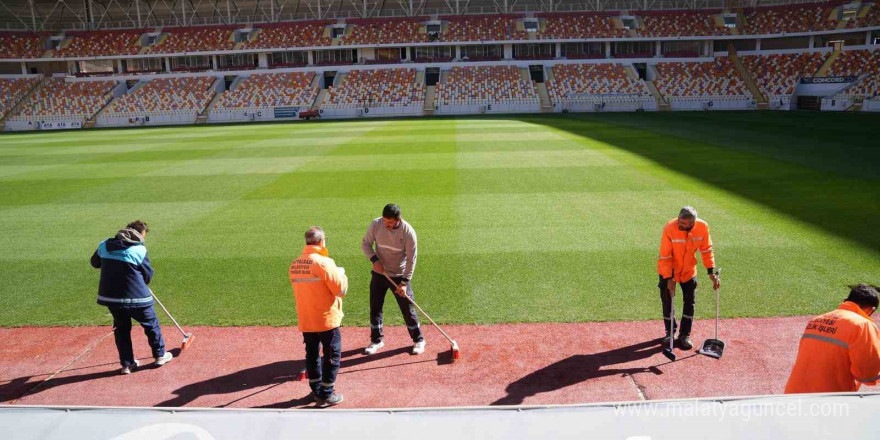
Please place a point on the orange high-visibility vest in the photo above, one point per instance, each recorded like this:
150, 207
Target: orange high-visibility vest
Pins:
839, 351
318, 288
677, 249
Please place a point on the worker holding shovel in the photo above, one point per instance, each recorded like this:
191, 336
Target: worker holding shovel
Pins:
682, 238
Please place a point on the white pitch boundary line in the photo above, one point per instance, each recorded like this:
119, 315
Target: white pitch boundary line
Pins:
85, 352
638, 388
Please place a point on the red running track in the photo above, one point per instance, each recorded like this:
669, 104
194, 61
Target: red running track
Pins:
504, 364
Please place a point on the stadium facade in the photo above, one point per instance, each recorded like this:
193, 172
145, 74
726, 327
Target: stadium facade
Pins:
99, 67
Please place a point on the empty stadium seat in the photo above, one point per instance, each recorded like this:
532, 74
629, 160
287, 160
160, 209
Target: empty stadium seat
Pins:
59, 97
573, 82
386, 31
166, 95
485, 85
782, 19
101, 43
271, 90
22, 44
678, 23
13, 90
195, 39
862, 63
578, 25
871, 18
377, 88
478, 28
700, 80
296, 34
777, 75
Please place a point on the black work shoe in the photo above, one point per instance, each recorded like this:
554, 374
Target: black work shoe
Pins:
331, 400
666, 340
684, 341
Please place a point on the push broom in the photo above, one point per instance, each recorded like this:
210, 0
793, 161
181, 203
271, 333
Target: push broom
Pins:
456, 353
187, 337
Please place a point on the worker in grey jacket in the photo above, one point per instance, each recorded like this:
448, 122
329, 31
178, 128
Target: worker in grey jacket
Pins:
390, 244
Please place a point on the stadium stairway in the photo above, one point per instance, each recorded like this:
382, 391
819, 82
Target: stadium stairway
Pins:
546, 106
760, 97
740, 18
856, 106
160, 40
319, 100
548, 72
430, 96
662, 105
863, 12
316, 83
91, 120
718, 21
826, 66
17, 106
202, 118
339, 79
631, 72
841, 24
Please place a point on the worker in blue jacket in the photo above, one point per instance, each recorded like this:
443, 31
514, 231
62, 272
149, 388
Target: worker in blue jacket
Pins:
125, 273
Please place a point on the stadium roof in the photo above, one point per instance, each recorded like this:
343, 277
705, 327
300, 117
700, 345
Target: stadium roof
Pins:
53, 15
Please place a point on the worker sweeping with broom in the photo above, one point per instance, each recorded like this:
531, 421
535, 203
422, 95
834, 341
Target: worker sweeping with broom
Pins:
682, 238
125, 274
390, 244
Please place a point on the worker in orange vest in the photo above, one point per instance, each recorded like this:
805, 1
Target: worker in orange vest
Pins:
839, 350
318, 288
682, 238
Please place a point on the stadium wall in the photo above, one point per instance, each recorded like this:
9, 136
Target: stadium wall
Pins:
777, 417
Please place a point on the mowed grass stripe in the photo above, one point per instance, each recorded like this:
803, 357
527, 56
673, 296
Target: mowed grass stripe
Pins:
492, 222
283, 165
455, 181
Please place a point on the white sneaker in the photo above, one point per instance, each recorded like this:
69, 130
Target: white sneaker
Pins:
419, 347
130, 368
166, 358
373, 348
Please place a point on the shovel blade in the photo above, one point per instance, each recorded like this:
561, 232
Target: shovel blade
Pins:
669, 354
714, 348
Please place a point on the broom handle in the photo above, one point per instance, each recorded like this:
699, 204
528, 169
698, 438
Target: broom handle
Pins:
716, 313
717, 296
672, 324
166, 312
411, 301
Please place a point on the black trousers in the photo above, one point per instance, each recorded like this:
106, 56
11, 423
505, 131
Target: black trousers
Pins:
322, 372
379, 287
689, 292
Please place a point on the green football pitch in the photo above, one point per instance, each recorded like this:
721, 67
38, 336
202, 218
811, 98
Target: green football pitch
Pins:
535, 218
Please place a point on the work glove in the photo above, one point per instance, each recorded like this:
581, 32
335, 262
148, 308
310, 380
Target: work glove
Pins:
670, 287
